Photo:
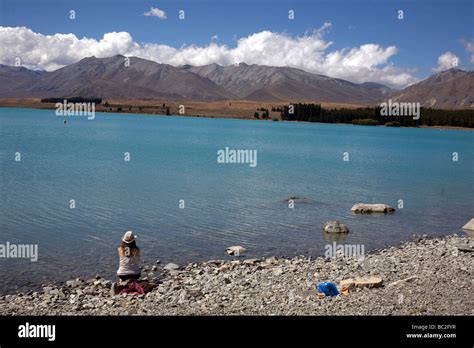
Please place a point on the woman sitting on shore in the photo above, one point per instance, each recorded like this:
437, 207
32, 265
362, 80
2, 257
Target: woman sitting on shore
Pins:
129, 258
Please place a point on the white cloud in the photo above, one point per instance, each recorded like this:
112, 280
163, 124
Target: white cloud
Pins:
310, 52
447, 61
469, 45
50, 52
155, 12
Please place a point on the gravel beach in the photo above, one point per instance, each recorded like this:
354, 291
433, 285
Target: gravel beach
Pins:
425, 277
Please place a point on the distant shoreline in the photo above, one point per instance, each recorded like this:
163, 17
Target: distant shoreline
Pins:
235, 109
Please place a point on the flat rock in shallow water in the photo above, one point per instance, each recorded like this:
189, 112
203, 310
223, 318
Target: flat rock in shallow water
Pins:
363, 208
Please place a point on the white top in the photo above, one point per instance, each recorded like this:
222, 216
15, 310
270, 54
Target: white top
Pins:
128, 264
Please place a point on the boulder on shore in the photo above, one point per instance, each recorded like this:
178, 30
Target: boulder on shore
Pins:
469, 226
367, 282
347, 284
335, 227
363, 208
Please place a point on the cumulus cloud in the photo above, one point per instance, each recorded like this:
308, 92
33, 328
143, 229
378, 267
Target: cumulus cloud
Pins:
310, 52
155, 12
50, 52
447, 61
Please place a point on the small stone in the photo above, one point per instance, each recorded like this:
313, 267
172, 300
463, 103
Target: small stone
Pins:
251, 261
277, 271
171, 266
47, 289
222, 268
74, 283
271, 259
402, 281
215, 262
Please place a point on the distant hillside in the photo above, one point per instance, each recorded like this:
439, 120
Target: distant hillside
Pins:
15, 81
268, 83
448, 89
144, 79
110, 78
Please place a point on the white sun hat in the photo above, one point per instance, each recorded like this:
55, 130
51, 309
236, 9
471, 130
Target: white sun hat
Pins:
128, 237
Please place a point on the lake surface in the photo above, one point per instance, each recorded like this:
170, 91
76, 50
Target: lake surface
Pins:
175, 158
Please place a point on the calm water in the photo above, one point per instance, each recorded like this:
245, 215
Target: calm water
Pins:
174, 158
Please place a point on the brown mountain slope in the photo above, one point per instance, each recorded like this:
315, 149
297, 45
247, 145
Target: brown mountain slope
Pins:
111, 78
450, 89
269, 83
14, 81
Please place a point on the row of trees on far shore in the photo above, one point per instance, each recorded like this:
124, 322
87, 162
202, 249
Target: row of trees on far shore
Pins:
428, 116
72, 100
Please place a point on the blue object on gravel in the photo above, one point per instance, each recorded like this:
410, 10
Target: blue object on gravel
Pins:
328, 289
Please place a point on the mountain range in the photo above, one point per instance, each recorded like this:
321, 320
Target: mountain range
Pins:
144, 79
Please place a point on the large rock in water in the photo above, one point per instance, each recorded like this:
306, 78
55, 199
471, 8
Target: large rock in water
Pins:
469, 226
235, 250
363, 208
335, 227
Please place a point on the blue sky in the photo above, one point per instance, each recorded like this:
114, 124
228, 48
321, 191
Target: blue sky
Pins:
429, 28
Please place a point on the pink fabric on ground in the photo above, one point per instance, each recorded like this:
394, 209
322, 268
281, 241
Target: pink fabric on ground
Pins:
133, 288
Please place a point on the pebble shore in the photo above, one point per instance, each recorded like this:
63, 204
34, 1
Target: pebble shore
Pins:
426, 277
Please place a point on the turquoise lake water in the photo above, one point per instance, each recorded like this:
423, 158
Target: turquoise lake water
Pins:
175, 158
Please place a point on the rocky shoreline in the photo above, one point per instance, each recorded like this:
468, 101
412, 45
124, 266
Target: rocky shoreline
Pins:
425, 277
